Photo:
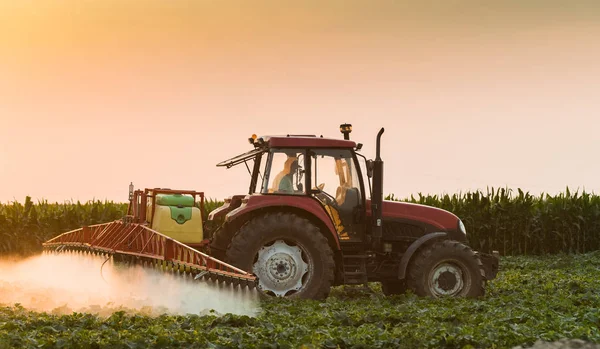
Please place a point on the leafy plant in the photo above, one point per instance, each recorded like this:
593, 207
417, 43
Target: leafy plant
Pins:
542, 297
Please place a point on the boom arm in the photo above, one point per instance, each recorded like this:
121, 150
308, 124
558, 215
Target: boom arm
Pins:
137, 243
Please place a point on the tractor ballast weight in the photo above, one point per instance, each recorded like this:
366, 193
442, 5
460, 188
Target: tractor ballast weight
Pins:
305, 225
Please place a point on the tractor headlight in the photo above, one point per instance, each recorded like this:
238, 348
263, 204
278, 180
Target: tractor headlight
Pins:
461, 227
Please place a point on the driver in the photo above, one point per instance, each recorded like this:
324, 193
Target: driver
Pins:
286, 185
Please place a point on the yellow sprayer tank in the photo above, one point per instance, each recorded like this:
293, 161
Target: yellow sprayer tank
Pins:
176, 216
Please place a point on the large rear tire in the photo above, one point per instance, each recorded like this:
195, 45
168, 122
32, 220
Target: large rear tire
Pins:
446, 269
289, 255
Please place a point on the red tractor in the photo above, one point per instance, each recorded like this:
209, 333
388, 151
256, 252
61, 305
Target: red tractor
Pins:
313, 217
307, 224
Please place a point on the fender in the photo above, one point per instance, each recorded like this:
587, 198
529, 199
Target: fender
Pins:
304, 203
229, 204
411, 250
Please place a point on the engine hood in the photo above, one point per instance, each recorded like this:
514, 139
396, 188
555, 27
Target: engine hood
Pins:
432, 216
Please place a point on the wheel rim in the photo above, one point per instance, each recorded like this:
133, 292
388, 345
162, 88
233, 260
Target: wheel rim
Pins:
280, 268
448, 279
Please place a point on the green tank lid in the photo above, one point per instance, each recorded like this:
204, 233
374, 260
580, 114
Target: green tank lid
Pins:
177, 200
181, 215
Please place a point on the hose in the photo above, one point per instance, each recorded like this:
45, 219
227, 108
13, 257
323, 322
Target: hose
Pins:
102, 266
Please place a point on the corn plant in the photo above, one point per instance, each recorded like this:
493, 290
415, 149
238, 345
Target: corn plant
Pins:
523, 224
498, 219
211, 204
23, 227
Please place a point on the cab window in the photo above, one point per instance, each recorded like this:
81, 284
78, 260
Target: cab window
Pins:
284, 173
334, 173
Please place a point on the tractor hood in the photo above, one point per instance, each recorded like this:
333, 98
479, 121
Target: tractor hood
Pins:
438, 219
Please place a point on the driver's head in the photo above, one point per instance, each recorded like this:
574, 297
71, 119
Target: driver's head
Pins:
294, 166
291, 164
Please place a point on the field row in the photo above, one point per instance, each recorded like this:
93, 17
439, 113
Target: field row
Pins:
514, 223
534, 298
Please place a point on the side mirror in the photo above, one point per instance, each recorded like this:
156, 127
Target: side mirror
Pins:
370, 166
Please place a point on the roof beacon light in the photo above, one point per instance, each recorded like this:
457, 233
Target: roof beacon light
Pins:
252, 139
346, 129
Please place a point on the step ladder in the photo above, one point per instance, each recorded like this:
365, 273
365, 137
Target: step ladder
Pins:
355, 270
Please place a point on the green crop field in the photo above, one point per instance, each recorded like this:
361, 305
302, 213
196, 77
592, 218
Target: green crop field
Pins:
548, 288
534, 298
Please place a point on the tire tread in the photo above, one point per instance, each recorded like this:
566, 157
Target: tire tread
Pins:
253, 231
419, 263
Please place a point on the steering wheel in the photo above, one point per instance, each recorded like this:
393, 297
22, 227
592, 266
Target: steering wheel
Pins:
325, 196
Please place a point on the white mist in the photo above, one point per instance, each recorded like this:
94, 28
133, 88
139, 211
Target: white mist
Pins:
68, 282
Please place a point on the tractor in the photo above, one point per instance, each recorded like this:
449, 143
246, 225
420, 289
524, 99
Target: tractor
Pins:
313, 217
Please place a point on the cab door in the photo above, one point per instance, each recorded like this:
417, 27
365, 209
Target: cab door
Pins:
336, 185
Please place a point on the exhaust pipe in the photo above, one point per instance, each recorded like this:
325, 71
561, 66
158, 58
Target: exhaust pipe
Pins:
377, 199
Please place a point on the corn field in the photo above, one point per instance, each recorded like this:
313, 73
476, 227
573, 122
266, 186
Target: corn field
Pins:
523, 224
512, 223
23, 227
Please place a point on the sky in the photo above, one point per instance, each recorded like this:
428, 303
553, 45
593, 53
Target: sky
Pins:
97, 94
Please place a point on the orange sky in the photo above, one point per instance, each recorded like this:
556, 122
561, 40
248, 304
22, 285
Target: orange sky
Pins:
95, 94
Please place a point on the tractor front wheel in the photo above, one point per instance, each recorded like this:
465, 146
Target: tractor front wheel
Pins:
446, 269
287, 253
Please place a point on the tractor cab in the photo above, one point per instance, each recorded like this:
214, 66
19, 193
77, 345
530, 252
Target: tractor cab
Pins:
298, 166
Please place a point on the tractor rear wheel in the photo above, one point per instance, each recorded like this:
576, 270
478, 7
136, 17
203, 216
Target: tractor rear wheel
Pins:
287, 253
446, 269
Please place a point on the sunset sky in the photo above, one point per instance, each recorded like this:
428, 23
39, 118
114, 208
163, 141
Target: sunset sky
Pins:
96, 94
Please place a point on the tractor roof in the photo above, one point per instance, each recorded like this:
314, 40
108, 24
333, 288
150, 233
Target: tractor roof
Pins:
303, 141
289, 141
